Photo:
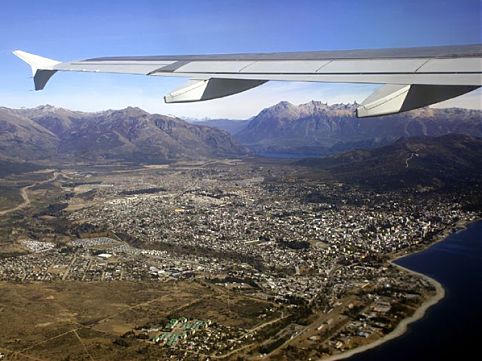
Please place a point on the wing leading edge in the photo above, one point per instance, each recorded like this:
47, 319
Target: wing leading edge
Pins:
412, 77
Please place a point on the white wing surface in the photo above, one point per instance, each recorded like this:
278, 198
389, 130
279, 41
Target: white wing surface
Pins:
411, 77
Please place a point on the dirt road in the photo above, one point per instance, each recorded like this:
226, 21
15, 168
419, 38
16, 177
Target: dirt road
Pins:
25, 197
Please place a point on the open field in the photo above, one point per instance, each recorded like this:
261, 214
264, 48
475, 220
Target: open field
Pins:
9, 197
81, 321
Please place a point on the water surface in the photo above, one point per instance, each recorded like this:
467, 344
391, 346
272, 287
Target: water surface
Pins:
452, 328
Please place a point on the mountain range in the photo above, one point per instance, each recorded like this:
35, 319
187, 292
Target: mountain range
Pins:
229, 125
48, 133
320, 129
130, 134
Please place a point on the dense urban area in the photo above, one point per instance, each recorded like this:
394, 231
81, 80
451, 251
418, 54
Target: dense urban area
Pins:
309, 258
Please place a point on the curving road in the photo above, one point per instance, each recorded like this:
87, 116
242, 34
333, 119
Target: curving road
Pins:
24, 194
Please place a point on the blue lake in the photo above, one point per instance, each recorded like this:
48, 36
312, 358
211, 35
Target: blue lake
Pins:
452, 328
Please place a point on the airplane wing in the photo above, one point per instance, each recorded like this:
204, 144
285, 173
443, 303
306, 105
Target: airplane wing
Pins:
411, 77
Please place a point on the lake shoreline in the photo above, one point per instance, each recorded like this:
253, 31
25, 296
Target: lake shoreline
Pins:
420, 312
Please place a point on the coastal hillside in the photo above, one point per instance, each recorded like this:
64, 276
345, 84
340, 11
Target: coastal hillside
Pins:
420, 162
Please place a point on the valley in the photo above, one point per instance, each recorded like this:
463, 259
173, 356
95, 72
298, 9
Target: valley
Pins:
276, 262
129, 235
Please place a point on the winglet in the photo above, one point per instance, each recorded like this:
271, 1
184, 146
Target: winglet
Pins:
42, 68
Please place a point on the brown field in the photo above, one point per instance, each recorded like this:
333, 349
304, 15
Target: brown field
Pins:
80, 321
9, 197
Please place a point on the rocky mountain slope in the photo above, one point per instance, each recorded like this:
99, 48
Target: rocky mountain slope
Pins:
47, 133
319, 128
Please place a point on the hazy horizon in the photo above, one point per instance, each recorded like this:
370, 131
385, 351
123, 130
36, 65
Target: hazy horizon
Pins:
442, 105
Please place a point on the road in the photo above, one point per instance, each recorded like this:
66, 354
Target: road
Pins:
410, 158
335, 313
24, 193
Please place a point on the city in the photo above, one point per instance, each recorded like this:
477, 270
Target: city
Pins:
313, 256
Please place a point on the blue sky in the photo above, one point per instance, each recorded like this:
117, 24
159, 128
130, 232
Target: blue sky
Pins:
67, 30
